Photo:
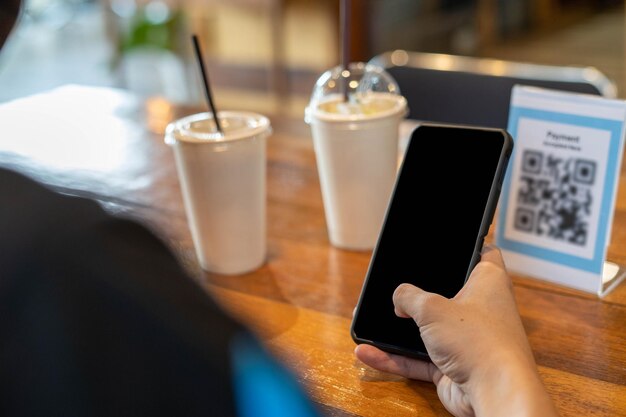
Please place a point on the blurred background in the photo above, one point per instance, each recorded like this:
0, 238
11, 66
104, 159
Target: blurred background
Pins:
265, 55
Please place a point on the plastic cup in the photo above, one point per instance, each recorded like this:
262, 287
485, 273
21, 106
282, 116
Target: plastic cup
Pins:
356, 149
223, 183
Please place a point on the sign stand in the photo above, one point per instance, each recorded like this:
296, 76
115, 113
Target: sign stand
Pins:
558, 199
612, 275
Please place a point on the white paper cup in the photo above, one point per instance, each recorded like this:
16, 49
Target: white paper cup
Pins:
357, 159
223, 182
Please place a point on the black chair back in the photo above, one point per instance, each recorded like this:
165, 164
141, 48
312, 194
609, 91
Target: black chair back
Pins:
476, 91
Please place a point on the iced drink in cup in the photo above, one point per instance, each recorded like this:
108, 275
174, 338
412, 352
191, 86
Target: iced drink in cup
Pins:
356, 149
222, 178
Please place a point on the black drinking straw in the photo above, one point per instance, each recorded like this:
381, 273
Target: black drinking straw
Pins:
205, 82
345, 43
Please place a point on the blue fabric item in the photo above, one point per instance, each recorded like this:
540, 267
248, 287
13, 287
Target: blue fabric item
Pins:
263, 387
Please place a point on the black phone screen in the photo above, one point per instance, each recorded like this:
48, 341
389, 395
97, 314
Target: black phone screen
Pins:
439, 213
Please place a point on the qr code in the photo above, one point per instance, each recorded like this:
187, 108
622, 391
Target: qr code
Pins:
555, 196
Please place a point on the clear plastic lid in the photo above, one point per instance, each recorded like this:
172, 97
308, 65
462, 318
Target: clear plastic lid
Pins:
370, 91
201, 128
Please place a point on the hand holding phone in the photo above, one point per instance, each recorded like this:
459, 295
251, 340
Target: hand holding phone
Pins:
445, 196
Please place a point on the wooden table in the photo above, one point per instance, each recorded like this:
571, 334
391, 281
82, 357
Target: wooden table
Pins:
104, 144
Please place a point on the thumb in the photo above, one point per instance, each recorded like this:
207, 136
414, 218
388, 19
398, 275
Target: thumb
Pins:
420, 305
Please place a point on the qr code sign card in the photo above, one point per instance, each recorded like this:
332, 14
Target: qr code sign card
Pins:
557, 202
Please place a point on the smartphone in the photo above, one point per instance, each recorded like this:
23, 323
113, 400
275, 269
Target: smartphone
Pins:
439, 213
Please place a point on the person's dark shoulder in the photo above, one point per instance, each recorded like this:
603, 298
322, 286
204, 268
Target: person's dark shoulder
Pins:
99, 318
